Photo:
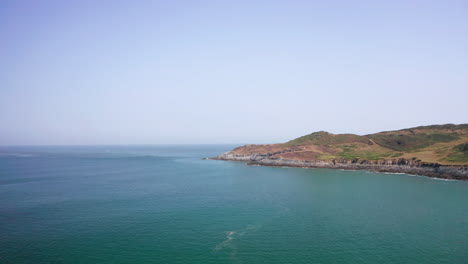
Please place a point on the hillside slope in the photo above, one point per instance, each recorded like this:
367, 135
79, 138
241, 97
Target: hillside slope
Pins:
443, 144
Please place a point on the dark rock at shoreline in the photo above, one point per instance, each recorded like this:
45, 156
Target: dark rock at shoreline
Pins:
401, 165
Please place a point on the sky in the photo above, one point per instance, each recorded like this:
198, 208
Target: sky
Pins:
210, 72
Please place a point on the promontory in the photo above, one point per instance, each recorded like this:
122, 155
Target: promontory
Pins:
439, 151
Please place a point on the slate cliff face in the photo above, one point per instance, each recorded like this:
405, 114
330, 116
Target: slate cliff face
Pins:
401, 165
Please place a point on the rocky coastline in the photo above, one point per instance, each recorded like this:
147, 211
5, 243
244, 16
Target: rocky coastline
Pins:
401, 165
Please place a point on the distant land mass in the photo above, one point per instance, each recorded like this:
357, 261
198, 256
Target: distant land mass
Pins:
439, 151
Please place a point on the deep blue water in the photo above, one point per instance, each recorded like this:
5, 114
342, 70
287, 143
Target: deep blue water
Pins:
164, 204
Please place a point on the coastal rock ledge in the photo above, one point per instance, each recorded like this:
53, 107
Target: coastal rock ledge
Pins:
400, 165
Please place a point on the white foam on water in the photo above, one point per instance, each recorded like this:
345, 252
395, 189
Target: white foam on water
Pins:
230, 234
422, 176
16, 155
229, 237
229, 245
440, 179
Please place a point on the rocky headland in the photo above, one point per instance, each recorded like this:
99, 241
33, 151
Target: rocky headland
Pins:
439, 151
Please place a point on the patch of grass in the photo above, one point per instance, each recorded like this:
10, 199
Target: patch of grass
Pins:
442, 150
325, 138
411, 142
352, 152
462, 148
458, 158
459, 154
446, 126
326, 157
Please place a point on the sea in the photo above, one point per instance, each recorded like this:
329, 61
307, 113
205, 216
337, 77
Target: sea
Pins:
166, 204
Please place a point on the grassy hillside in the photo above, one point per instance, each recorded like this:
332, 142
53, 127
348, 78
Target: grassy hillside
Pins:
444, 144
325, 138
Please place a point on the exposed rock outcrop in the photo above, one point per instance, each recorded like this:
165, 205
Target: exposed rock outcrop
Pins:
401, 165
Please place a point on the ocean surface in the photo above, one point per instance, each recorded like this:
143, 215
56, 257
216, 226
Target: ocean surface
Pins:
164, 204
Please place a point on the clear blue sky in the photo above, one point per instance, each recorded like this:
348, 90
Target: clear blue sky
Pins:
151, 72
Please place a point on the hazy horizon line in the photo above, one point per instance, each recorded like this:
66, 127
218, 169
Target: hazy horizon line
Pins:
218, 143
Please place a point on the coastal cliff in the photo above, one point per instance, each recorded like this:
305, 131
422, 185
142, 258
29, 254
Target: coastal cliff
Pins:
438, 151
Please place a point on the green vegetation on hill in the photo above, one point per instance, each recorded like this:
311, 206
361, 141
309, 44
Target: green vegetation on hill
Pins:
411, 142
355, 152
459, 154
462, 148
444, 144
325, 138
437, 127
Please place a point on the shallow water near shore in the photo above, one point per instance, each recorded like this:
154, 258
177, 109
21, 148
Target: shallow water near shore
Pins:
164, 204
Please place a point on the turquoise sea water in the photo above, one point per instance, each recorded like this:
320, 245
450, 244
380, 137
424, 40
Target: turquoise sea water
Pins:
163, 204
